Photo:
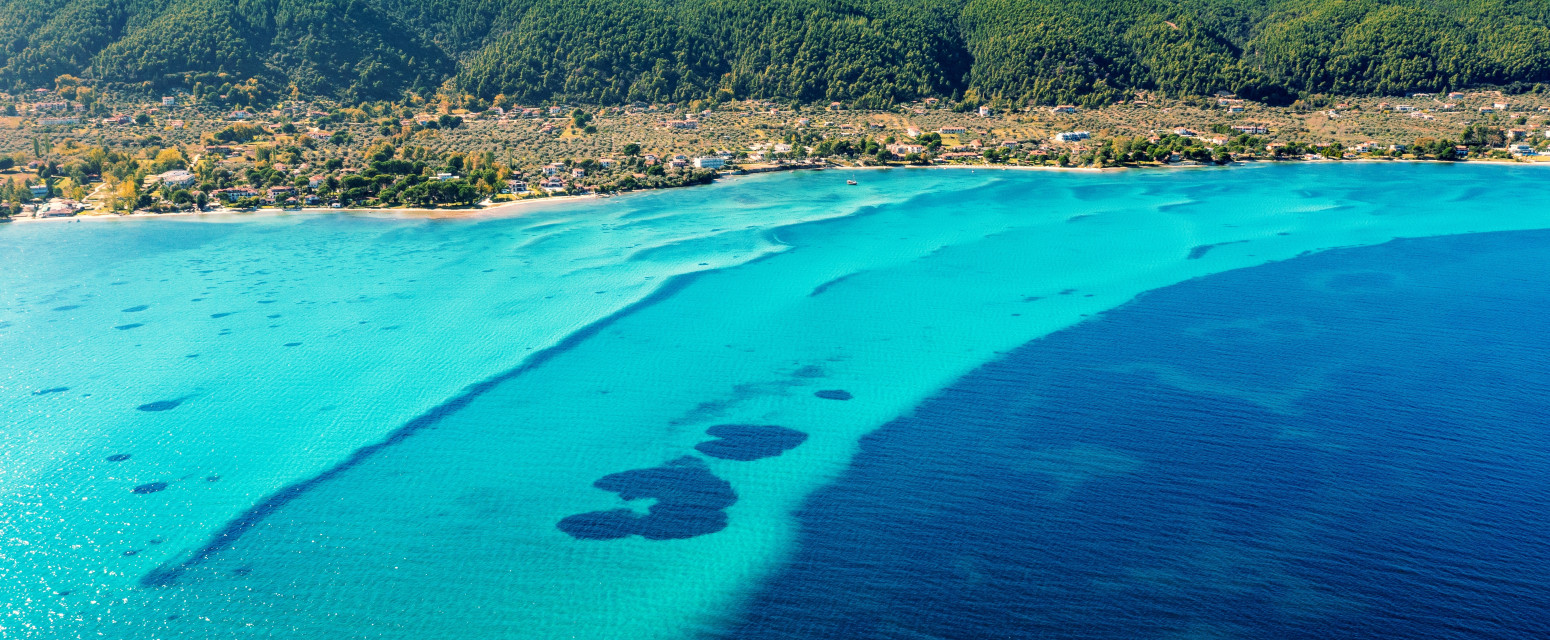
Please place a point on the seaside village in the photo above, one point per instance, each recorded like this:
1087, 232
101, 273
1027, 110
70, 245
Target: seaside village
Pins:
64, 153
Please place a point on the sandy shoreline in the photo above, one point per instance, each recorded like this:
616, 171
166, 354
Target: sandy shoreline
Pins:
520, 207
502, 210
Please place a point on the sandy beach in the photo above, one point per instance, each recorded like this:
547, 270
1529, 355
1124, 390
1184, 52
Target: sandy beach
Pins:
501, 210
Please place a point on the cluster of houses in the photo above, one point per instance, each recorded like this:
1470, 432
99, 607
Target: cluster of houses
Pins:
55, 106
55, 112
50, 207
54, 208
278, 195
555, 177
1424, 113
48, 112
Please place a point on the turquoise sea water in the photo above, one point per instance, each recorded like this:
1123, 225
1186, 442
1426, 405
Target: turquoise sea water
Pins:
346, 426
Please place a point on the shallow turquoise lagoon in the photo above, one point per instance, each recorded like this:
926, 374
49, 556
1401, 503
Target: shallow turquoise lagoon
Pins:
335, 426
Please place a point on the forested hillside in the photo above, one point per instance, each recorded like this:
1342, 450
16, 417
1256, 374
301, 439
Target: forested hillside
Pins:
868, 52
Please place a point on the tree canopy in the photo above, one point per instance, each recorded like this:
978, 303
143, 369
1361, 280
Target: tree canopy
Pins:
863, 52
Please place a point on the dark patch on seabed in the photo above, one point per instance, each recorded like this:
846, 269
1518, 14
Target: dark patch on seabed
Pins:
818, 290
690, 502
1200, 251
150, 487
168, 574
1251, 455
746, 442
162, 405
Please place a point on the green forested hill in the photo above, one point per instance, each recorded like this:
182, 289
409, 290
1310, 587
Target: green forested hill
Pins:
871, 52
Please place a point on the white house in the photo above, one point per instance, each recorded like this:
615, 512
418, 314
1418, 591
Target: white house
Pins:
57, 209
709, 162
167, 101
177, 178
1072, 136
234, 194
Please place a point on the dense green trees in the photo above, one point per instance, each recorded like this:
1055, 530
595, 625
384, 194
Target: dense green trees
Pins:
344, 48
863, 52
1372, 46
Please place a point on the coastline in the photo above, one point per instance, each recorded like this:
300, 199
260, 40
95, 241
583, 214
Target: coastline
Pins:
501, 210
521, 207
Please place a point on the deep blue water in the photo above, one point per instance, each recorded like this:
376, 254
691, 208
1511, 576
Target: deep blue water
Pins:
1345, 445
